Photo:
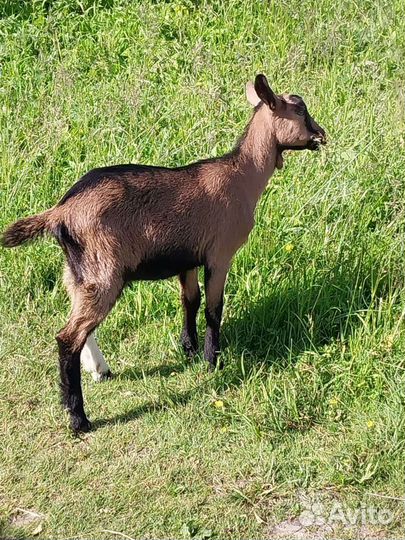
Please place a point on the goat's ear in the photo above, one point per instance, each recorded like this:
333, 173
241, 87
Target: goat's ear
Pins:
264, 91
251, 94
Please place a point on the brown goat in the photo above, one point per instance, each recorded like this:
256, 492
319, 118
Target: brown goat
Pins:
135, 222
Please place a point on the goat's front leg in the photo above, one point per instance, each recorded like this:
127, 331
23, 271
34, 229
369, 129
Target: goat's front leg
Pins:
190, 298
214, 300
93, 360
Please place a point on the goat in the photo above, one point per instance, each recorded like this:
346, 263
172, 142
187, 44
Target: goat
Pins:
134, 222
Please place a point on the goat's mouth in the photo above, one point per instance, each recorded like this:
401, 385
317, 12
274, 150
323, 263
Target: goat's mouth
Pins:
315, 142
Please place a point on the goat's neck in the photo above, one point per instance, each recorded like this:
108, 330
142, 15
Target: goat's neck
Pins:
257, 155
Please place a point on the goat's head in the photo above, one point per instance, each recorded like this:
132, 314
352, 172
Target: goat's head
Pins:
293, 126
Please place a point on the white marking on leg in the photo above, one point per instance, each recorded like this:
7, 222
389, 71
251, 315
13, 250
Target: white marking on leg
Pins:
93, 360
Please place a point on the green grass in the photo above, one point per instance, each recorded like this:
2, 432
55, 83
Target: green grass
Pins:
313, 388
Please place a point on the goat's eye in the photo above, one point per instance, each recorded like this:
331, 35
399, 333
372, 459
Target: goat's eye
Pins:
300, 111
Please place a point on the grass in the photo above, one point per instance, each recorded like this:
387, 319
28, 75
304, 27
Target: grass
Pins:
311, 400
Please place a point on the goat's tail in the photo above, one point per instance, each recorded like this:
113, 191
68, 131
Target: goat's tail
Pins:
26, 229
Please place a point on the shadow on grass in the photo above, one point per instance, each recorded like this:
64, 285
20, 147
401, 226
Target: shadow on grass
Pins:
310, 308
163, 370
180, 398
277, 329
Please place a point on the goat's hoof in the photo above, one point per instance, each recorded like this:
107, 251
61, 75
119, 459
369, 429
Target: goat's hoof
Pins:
100, 377
80, 425
190, 352
190, 347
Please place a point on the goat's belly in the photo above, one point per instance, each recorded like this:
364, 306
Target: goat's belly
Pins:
164, 265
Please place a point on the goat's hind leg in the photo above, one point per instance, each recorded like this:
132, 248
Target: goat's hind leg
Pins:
91, 357
93, 360
91, 304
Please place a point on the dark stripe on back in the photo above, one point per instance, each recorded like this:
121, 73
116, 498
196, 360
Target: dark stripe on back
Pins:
97, 176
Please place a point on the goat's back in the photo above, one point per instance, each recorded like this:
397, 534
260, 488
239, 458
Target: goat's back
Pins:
140, 213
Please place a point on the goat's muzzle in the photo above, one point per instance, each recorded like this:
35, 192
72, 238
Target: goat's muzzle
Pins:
316, 141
